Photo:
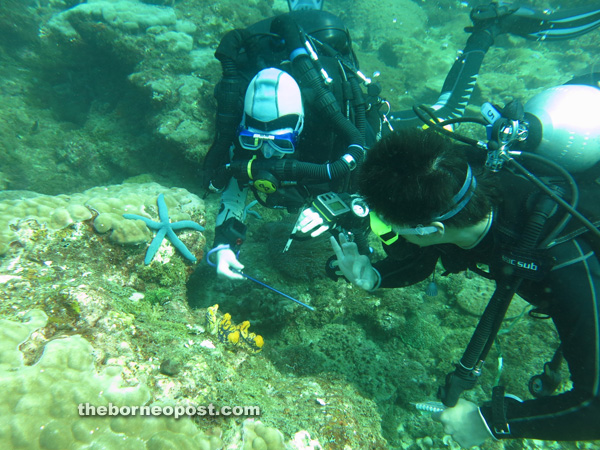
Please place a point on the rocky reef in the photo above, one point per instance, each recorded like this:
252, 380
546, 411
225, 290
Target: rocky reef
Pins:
87, 322
109, 103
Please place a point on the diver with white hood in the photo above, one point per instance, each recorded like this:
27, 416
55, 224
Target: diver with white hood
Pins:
305, 123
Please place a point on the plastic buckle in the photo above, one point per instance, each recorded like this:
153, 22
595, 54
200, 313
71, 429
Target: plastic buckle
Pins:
502, 431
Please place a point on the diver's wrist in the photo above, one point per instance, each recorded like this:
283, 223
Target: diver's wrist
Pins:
377, 281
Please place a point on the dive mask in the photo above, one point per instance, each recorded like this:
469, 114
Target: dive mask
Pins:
282, 142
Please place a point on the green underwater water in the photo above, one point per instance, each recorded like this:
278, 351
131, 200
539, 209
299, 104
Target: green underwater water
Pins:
109, 104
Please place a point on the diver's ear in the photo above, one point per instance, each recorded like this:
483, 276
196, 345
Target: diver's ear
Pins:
441, 229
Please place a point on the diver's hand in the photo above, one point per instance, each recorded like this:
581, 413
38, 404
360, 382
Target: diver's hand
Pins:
310, 221
464, 423
356, 267
228, 266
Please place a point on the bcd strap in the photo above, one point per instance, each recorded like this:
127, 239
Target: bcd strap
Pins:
499, 422
234, 232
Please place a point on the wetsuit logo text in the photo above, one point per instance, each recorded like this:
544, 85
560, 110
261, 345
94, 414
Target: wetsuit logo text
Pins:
520, 264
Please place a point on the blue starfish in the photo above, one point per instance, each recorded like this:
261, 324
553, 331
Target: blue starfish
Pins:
166, 228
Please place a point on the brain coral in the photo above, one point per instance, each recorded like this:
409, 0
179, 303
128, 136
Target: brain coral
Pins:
39, 403
106, 203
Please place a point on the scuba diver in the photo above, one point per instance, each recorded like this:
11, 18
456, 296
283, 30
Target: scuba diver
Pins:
489, 21
300, 128
526, 208
339, 121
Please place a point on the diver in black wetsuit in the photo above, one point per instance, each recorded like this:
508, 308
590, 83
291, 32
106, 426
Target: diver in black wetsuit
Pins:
433, 200
292, 120
490, 21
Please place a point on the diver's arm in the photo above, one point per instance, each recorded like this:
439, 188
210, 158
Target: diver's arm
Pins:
572, 415
229, 229
229, 110
412, 265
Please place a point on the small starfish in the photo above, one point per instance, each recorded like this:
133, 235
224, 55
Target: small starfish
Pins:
166, 228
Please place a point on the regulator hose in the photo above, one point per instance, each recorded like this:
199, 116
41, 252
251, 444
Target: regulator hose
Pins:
469, 368
293, 170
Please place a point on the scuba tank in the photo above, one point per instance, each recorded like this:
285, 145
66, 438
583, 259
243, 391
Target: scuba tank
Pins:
564, 126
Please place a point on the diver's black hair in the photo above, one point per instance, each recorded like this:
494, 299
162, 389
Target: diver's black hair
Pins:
410, 176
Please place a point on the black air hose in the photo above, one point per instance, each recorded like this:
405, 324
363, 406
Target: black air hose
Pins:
465, 375
292, 170
537, 221
360, 115
325, 101
229, 111
322, 172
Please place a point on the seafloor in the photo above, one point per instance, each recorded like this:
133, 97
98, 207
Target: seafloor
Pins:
107, 105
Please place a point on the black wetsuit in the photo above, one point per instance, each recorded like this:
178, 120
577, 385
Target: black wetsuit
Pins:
569, 293
337, 119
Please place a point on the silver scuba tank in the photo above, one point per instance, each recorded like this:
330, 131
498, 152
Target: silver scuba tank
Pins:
569, 125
